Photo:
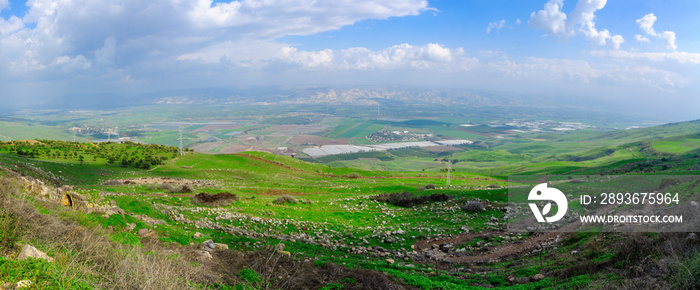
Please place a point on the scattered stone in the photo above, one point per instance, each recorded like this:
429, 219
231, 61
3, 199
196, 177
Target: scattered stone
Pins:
208, 245
23, 284
389, 261
537, 277
130, 227
30, 251
691, 237
197, 235
279, 247
146, 233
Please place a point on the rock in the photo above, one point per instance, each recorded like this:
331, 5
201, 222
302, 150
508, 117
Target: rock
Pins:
574, 252
30, 251
389, 261
113, 203
23, 284
220, 246
537, 277
279, 247
691, 237
130, 227
203, 255
208, 245
146, 233
197, 235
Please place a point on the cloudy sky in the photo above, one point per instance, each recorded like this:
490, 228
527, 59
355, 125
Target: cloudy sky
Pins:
641, 51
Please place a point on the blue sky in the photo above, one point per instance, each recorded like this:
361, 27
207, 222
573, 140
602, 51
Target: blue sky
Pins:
638, 51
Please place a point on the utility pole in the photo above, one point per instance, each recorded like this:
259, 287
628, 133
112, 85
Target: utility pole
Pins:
180, 129
194, 142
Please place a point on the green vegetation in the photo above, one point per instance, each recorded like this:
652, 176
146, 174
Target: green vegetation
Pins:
339, 222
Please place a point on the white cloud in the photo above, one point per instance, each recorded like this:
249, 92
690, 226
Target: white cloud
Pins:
4, 4
676, 56
496, 25
555, 22
551, 19
107, 54
404, 56
518, 21
11, 25
69, 64
308, 59
641, 38
135, 37
276, 18
646, 24
616, 41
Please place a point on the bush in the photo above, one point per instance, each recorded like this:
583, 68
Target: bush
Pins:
167, 187
10, 231
185, 188
286, 198
219, 199
249, 276
473, 206
430, 186
113, 182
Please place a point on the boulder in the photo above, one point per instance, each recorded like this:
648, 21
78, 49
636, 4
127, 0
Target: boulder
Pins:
220, 246
389, 261
203, 255
208, 245
537, 277
30, 251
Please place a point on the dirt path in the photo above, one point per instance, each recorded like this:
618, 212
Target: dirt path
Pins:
494, 253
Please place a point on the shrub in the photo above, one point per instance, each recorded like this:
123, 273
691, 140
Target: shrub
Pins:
249, 276
167, 187
430, 186
113, 182
353, 175
185, 188
219, 199
473, 206
10, 231
286, 198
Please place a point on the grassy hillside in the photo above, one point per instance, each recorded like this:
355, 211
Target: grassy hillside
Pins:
339, 227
